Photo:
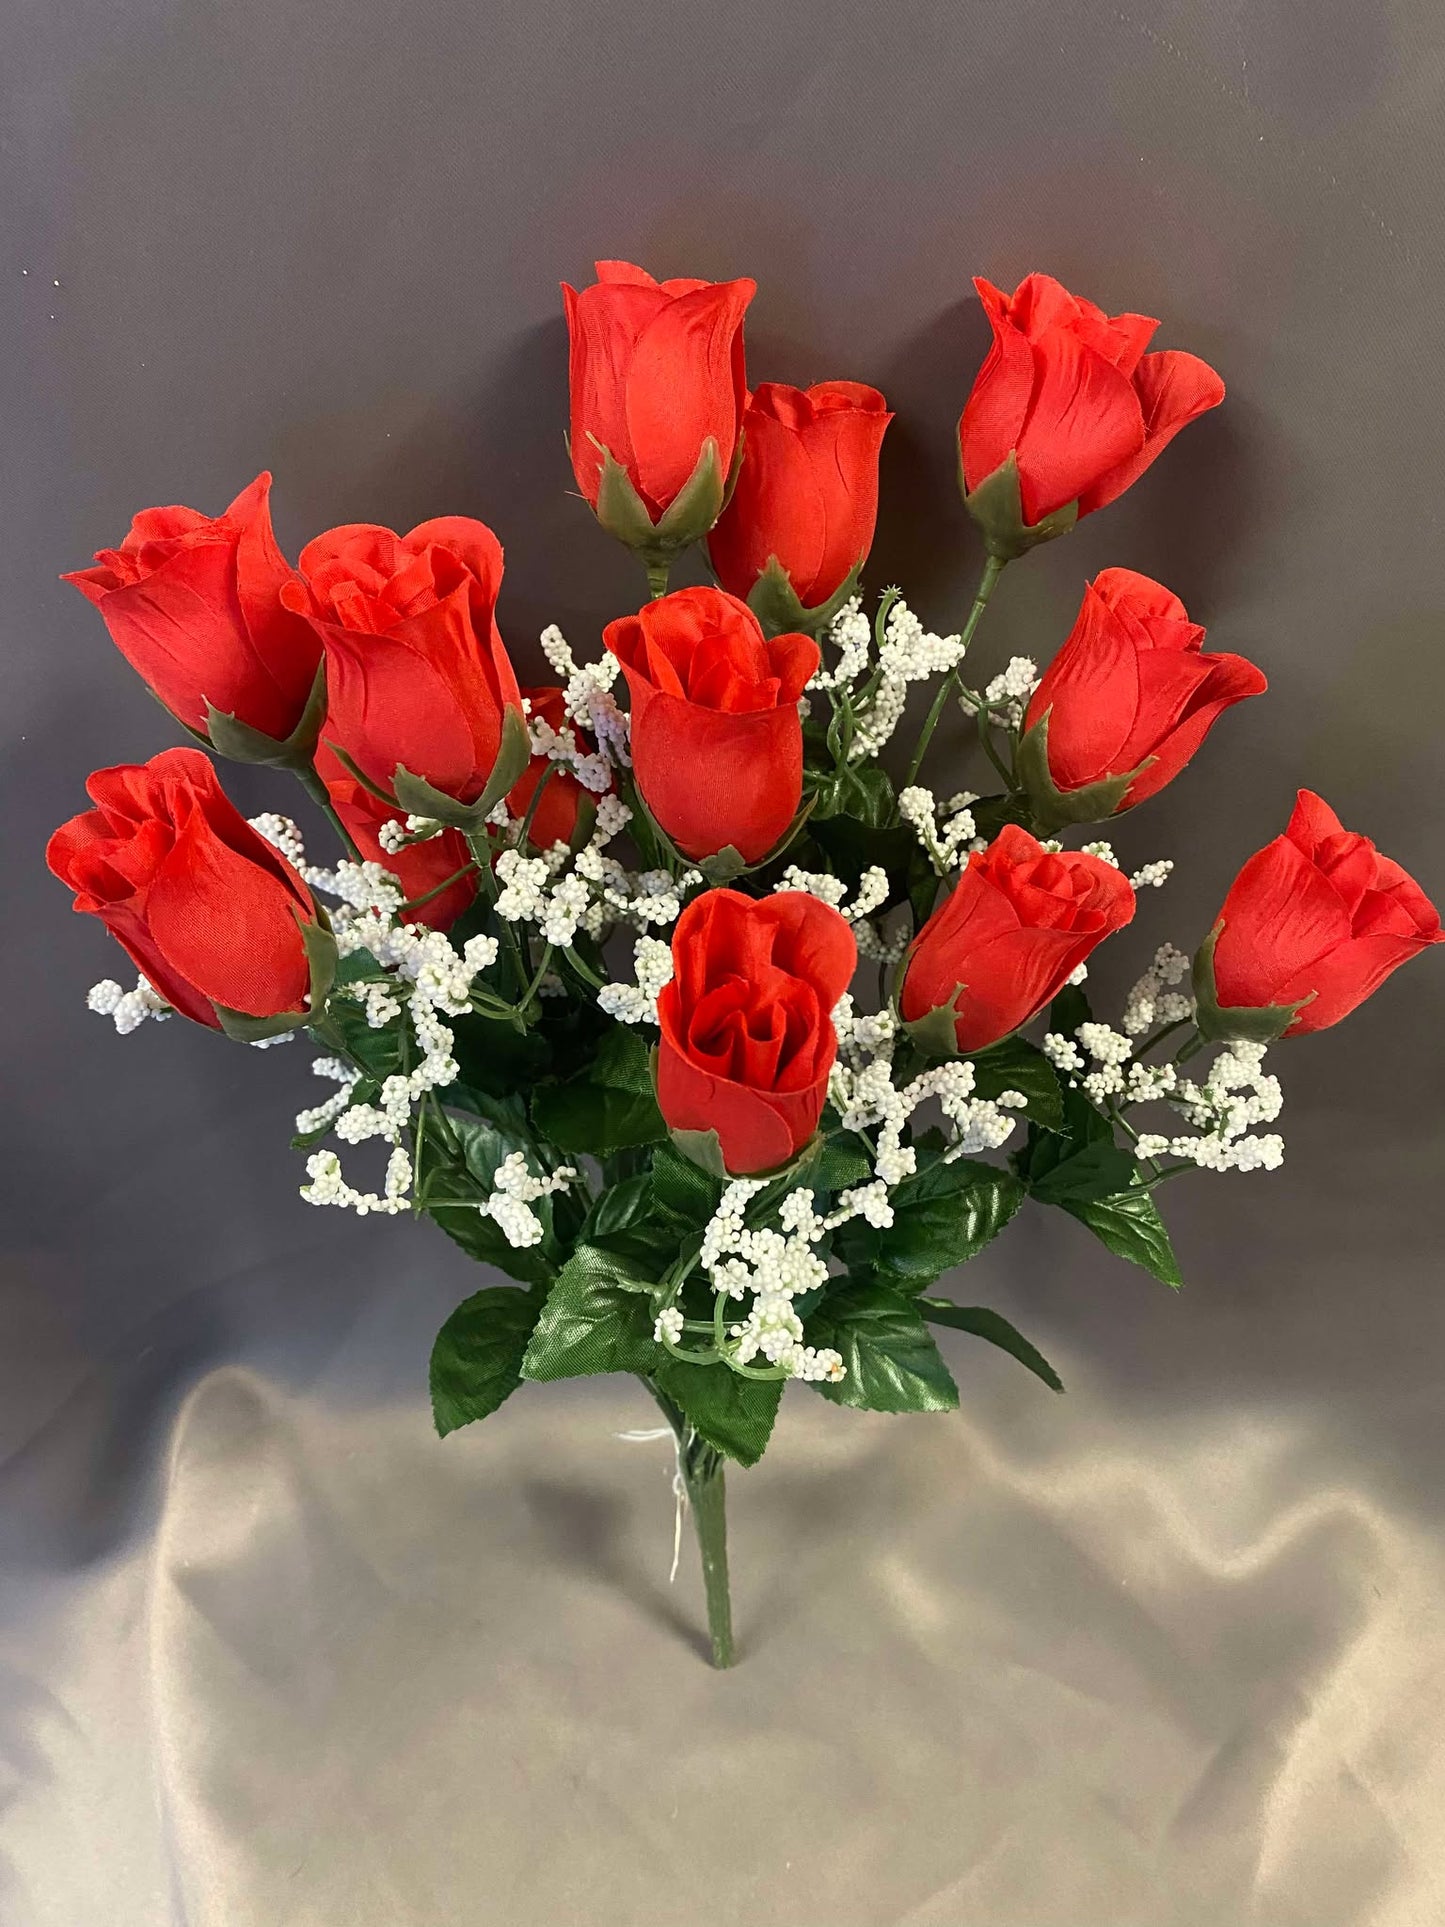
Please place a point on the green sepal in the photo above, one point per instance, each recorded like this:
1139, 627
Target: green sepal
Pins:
724, 866
704, 1149
321, 957
1219, 1023
935, 1034
1055, 809
774, 601
415, 795
997, 507
996, 1329
230, 737
685, 520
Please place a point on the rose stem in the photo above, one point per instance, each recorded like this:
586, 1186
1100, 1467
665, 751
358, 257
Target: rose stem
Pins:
702, 1472
992, 570
316, 790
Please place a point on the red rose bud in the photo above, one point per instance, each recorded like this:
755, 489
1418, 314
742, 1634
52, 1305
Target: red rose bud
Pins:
806, 498
555, 819
658, 391
1312, 925
420, 868
193, 603
1018, 924
416, 673
1125, 703
208, 911
747, 1022
717, 743
1067, 410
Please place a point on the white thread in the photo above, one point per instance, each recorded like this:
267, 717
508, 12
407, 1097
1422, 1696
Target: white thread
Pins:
679, 1485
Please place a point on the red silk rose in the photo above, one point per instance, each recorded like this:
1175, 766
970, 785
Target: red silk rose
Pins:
1018, 924
208, 911
656, 375
564, 796
415, 668
1316, 914
747, 1021
418, 867
807, 490
1069, 391
1130, 685
193, 603
717, 744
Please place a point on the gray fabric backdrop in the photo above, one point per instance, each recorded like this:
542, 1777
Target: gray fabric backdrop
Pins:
1166, 1651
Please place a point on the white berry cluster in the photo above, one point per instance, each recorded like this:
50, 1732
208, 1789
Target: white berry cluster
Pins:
873, 672
590, 704
945, 843
127, 1009
864, 1093
1151, 876
872, 889
851, 634
561, 893
328, 1186
429, 978
400, 833
1236, 1095
636, 1003
1161, 995
515, 1189
775, 1264
1008, 693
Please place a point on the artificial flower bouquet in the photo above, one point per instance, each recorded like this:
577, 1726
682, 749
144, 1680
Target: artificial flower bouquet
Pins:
704, 1017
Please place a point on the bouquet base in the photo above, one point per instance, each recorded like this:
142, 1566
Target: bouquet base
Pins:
701, 1469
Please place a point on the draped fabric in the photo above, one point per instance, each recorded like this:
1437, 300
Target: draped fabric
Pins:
1166, 1651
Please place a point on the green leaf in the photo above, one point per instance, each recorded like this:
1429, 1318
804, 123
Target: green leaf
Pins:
476, 1361
1017, 1065
1069, 1009
377, 1052
1129, 1223
497, 1059
1079, 1161
841, 1165
734, 1414
452, 1203
610, 1107
1095, 1170
892, 1363
623, 1061
620, 1207
942, 1217
863, 791
996, 1329
684, 1188
598, 1318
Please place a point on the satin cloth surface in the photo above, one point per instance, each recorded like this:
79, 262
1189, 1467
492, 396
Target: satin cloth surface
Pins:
1158, 1657
1168, 1651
